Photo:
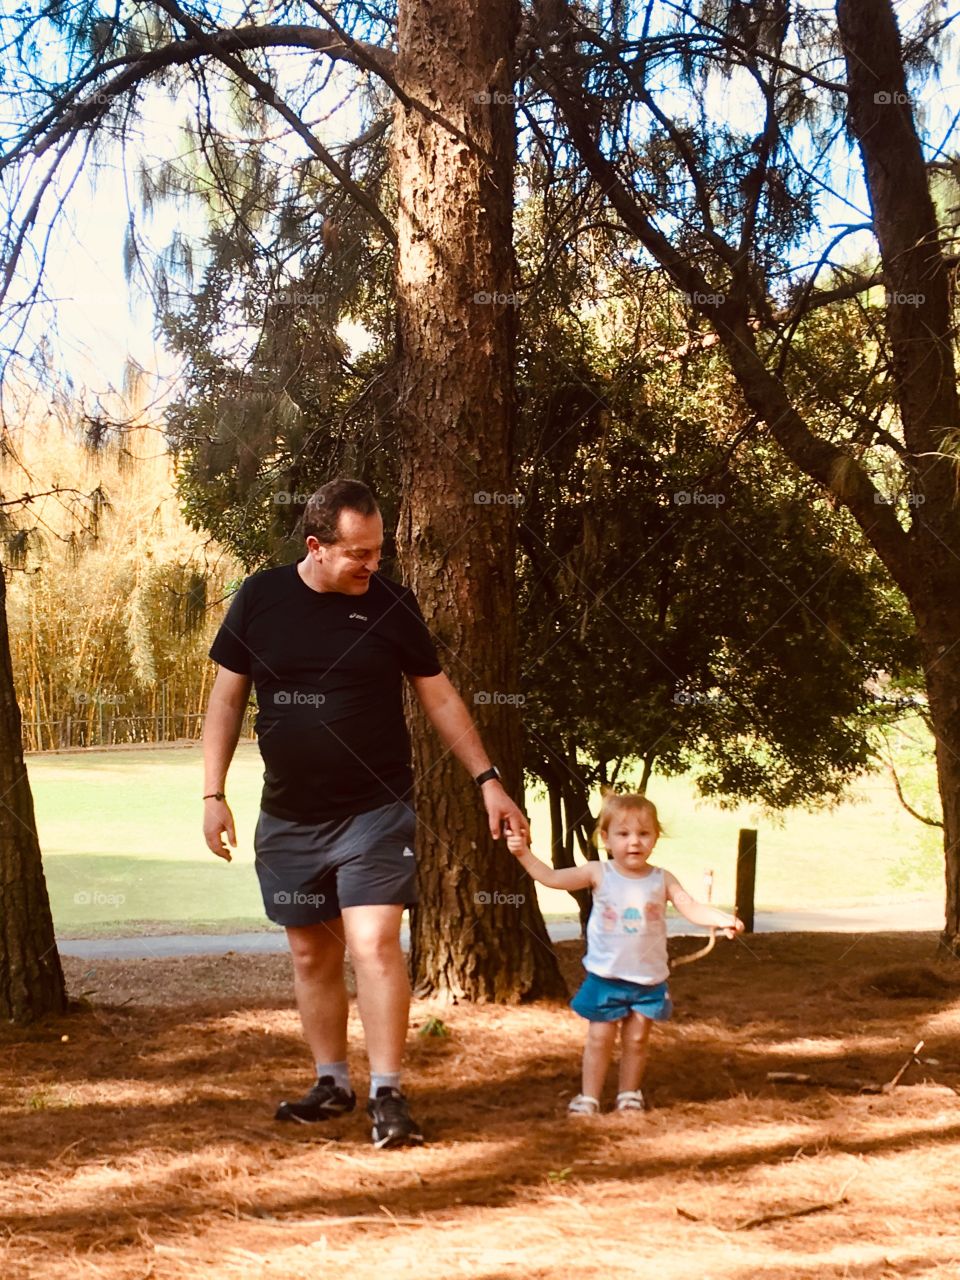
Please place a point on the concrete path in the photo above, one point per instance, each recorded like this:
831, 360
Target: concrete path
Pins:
912, 915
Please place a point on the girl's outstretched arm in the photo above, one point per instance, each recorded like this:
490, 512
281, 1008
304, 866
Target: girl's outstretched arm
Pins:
700, 912
585, 876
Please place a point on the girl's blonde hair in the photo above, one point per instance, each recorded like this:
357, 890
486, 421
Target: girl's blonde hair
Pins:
614, 803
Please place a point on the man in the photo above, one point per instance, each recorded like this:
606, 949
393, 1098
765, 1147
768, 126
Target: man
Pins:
326, 641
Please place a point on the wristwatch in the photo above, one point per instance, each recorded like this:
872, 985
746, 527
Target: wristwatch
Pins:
487, 775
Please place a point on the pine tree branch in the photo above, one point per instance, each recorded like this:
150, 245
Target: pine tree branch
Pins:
137, 68
269, 95
831, 466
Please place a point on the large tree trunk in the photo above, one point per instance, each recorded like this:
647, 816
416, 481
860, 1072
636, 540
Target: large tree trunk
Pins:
942, 667
31, 980
921, 339
478, 932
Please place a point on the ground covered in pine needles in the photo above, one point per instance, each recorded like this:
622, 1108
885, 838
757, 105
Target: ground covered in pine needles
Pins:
136, 1138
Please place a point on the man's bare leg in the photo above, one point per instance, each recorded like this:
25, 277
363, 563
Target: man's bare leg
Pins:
383, 997
383, 985
317, 953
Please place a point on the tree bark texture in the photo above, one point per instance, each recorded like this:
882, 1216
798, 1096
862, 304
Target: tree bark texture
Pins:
472, 937
31, 980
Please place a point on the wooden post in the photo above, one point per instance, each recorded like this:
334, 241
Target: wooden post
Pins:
746, 875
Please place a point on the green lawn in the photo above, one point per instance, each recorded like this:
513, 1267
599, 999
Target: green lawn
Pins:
120, 833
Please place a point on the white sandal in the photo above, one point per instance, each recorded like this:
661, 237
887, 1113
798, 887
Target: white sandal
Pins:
630, 1100
583, 1105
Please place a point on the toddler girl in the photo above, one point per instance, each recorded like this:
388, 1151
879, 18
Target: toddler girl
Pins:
626, 960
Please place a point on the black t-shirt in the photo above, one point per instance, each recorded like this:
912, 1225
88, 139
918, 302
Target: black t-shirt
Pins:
327, 668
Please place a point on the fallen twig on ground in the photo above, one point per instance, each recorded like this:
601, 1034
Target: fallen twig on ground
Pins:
775, 1215
818, 1082
781, 1215
853, 1086
892, 1084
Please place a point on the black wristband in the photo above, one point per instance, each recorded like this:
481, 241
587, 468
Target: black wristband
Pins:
487, 776
216, 795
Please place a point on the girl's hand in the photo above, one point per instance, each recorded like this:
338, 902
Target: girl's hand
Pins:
732, 930
517, 844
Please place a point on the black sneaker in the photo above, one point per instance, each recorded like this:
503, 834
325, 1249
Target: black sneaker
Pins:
324, 1100
393, 1125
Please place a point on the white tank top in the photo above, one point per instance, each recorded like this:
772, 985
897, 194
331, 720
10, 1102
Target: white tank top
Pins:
627, 930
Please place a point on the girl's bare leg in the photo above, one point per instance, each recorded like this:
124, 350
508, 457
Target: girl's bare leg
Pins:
597, 1053
634, 1042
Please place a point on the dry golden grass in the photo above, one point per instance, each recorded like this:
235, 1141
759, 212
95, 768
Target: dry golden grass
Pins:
143, 1146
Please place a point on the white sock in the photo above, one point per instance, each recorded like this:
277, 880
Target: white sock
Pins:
384, 1080
339, 1070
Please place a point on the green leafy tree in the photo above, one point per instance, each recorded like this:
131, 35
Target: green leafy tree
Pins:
723, 206
689, 605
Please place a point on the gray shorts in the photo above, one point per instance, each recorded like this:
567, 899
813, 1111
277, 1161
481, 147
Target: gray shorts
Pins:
309, 871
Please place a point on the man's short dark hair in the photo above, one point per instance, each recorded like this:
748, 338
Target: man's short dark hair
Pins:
322, 512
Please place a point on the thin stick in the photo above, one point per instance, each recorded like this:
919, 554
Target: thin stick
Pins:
70, 1147
892, 1084
782, 1214
698, 954
820, 1082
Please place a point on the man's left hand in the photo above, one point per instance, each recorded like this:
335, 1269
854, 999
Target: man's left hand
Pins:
501, 809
